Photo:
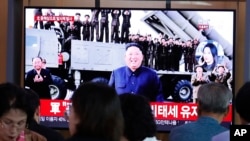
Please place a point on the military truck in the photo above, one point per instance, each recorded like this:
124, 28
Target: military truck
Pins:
84, 61
88, 61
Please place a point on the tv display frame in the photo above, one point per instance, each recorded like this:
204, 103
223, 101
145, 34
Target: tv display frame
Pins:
69, 71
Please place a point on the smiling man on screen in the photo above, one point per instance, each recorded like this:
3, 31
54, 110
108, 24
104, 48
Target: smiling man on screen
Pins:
135, 78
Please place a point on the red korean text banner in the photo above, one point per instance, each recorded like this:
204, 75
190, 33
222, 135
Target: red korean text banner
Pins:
180, 111
162, 111
54, 18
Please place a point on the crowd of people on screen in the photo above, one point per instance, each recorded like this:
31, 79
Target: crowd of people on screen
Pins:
160, 53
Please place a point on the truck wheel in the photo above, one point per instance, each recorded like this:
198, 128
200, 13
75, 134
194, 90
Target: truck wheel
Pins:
182, 91
58, 89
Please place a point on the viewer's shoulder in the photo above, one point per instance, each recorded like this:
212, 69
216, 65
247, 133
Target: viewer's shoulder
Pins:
33, 136
225, 136
184, 127
182, 133
49, 133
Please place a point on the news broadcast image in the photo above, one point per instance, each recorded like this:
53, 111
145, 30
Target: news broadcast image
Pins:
173, 45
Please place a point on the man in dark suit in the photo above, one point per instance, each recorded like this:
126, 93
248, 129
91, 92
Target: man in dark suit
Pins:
50, 23
104, 21
39, 79
94, 24
115, 25
126, 14
38, 12
86, 28
78, 24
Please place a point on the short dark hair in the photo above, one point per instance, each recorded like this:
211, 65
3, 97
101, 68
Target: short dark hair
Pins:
38, 58
212, 48
214, 97
98, 107
220, 66
44, 61
199, 66
242, 101
12, 97
33, 101
132, 44
139, 120
101, 80
78, 14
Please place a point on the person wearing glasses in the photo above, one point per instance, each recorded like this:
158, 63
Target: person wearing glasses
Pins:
14, 109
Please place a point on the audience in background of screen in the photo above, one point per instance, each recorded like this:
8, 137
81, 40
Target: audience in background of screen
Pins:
126, 24
212, 106
135, 78
139, 122
48, 24
115, 24
94, 24
14, 109
38, 12
241, 105
34, 115
86, 25
104, 25
95, 114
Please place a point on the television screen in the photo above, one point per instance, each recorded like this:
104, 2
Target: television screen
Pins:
77, 45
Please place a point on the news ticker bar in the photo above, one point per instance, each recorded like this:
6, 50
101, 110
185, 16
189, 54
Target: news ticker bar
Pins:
162, 111
240, 133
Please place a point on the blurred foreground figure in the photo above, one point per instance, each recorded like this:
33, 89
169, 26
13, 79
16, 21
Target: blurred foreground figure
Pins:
95, 114
213, 105
34, 116
241, 105
139, 120
14, 109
